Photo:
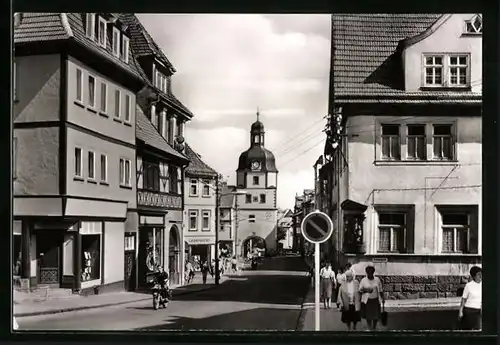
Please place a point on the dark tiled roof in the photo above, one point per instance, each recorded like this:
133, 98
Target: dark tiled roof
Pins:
365, 60
196, 166
143, 44
146, 132
36, 27
40, 27
141, 41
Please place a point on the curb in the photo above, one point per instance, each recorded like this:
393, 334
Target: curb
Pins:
86, 307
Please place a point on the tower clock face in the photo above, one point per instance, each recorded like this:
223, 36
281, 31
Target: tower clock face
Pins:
255, 165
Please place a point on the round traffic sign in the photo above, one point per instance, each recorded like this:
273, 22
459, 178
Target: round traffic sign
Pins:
317, 227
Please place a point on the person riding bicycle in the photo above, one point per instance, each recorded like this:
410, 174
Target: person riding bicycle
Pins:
162, 279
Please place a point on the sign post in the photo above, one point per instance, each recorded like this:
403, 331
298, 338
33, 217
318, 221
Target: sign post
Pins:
317, 228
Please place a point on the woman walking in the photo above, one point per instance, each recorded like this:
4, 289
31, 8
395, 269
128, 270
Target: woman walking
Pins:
204, 271
350, 301
371, 291
340, 281
471, 304
327, 281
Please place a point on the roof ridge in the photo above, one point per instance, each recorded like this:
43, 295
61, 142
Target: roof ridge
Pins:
65, 24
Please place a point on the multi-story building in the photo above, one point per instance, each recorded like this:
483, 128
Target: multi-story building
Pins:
74, 118
200, 200
257, 212
285, 229
160, 163
406, 174
227, 220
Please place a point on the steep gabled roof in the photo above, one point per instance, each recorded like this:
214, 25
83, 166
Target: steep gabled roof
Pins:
197, 167
43, 27
142, 44
366, 62
141, 41
146, 132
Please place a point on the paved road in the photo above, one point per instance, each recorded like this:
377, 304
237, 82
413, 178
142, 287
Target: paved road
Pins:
267, 299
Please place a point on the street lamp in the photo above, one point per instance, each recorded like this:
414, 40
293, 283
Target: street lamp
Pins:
217, 210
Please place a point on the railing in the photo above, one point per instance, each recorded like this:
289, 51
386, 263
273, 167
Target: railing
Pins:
158, 199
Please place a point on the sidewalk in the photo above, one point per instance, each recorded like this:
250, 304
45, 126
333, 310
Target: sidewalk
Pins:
330, 318
24, 306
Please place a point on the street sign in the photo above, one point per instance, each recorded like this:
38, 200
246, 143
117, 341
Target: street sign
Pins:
317, 227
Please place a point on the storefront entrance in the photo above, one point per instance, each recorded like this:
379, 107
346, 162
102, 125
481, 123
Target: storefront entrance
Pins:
130, 266
48, 254
151, 252
174, 254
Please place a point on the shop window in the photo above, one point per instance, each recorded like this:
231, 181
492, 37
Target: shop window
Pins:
91, 257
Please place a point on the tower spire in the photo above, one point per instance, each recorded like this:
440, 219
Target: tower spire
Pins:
258, 113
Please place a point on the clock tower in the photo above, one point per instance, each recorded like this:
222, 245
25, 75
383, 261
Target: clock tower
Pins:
256, 219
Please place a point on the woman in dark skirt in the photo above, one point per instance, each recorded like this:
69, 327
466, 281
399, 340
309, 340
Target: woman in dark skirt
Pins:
471, 304
371, 291
350, 301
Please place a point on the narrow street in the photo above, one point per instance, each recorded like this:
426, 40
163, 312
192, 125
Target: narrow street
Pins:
267, 299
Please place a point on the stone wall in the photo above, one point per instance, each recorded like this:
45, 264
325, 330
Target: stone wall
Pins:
414, 287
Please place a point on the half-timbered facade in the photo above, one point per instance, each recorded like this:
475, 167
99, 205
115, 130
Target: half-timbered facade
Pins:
160, 159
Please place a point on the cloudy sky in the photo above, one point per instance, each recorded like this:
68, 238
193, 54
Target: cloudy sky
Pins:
228, 65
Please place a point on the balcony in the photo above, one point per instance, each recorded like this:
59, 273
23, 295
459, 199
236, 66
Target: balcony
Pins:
159, 199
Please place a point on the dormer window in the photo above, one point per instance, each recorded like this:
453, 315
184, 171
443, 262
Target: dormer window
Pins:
115, 42
90, 25
161, 81
475, 25
446, 70
102, 32
125, 48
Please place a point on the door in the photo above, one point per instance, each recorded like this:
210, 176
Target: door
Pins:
48, 253
130, 265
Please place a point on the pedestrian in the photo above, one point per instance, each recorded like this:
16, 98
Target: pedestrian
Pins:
350, 301
189, 272
204, 271
348, 267
234, 264
328, 282
340, 280
371, 291
471, 303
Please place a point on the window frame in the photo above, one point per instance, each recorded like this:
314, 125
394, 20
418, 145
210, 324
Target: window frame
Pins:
251, 218
103, 98
471, 21
255, 180
128, 108
90, 34
406, 242
452, 137
103, 21
118, 105
205, 214
415, 137
79, 174
262, 199
79, 97
248, 198
395, 231
92, 106
382, 136
193, 184
123, 179
446, 71
116, 41
191, 214
93, 177
472, 213
206, 183
125, 46
105, 179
